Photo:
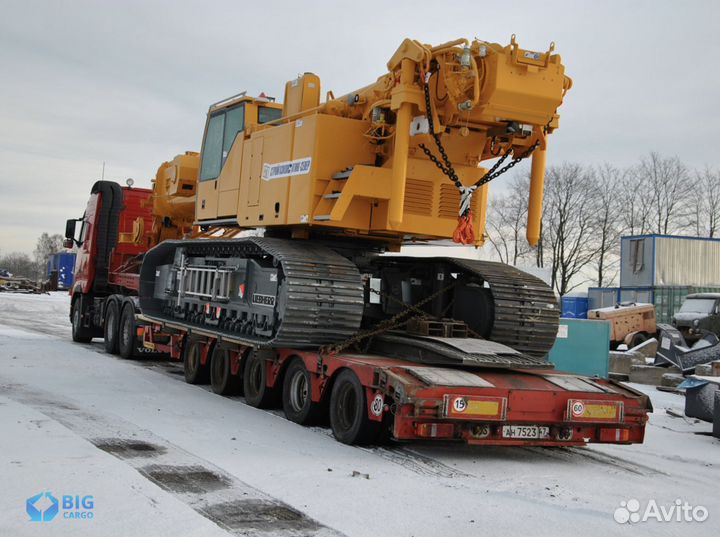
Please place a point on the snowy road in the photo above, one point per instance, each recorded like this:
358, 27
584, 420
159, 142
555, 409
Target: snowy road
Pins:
161, 457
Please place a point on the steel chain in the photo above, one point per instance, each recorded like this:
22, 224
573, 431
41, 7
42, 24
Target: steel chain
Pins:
448, 169
389, 324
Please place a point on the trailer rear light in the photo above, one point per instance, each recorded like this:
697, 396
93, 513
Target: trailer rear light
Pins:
474, 407
595, 411
435, 430
614, 435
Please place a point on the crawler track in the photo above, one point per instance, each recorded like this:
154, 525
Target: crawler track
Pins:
526, 314
319, 293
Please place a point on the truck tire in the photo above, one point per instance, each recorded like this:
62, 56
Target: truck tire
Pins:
111, 327
348, 411
297, 395
222, 381
80, 334
195, 371
257, 393
127, 335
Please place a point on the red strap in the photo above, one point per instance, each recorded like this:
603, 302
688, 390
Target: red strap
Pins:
464, 232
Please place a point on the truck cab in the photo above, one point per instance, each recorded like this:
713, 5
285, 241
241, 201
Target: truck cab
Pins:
109, 237
700, 312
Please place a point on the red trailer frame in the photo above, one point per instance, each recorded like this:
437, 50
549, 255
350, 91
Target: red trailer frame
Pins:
422, 402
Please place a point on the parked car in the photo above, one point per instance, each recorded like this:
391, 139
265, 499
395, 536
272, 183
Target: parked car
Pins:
698, 314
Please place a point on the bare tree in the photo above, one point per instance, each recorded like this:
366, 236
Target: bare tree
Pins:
18, 264
706, 207
507, 217
608, 203
667, 183
47, 245
636, 214
569, 225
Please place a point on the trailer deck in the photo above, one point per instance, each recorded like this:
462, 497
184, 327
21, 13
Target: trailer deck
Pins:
475, 405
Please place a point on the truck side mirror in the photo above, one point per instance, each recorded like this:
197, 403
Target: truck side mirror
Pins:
68, 243
70, 232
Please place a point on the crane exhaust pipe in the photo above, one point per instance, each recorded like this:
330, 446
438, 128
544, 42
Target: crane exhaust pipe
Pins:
537, 187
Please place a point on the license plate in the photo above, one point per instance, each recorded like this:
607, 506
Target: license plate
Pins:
525, 431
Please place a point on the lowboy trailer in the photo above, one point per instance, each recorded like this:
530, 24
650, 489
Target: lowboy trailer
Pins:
368, 397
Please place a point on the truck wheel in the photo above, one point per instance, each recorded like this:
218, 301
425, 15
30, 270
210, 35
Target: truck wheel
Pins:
348, 411
111, 326
222, 381
79, 332
257, 393
297, 395
195, 371
127, 340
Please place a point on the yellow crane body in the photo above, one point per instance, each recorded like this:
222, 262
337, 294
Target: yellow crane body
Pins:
354, 165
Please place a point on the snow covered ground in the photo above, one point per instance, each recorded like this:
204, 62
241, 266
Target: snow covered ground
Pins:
160, 457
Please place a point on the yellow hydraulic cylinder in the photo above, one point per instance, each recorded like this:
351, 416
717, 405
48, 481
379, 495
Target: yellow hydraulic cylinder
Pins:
400, 152
537, 186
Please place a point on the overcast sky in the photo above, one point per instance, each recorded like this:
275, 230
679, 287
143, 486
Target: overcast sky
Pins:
129, 83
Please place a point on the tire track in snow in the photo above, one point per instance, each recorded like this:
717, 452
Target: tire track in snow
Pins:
213, 493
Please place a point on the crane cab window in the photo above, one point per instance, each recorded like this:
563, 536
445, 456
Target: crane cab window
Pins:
267, 114
222, 129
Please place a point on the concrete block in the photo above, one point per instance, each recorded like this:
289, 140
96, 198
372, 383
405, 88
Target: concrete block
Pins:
647, 348
650, 374
671, 379
620, 363
704, 370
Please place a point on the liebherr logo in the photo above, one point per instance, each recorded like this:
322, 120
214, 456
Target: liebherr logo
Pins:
263, 300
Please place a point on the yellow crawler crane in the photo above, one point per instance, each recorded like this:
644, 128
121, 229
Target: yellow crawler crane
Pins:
334, 184
355, 165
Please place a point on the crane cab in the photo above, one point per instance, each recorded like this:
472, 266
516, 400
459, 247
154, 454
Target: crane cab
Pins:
222, 151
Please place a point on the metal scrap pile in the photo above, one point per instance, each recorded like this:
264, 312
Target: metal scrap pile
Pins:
15, 284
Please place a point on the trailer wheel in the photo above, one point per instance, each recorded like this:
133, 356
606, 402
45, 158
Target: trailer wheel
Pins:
348, 411
257, 393
297, 395
127, 340
222, 381
195, 371
111, 327
637, 339
79, 332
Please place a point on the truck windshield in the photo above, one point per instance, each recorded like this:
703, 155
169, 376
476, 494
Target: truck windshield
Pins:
698, 305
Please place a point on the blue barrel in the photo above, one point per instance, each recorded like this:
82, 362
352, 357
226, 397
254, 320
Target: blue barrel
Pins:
574, 307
